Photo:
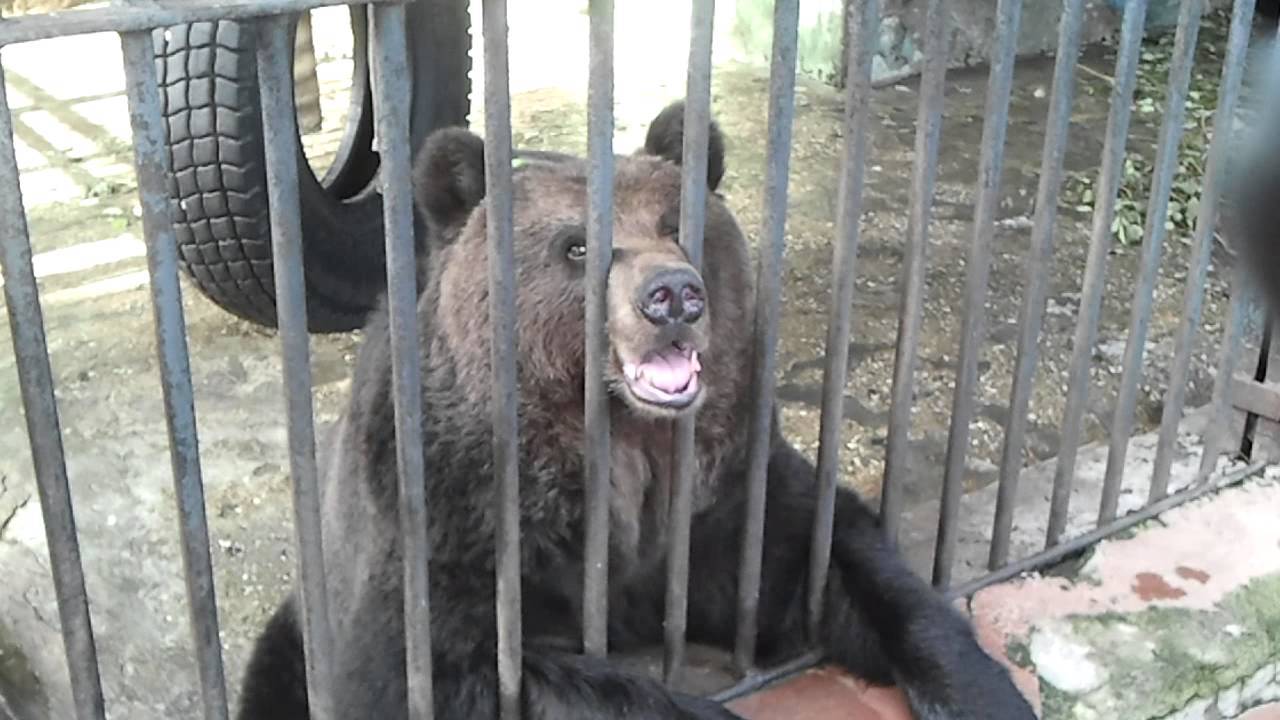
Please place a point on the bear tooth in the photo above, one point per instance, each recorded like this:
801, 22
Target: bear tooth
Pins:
697, 364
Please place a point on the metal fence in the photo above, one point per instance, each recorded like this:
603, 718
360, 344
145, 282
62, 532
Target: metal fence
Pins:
390, 74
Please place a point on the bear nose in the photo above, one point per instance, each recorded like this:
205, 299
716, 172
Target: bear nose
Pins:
673, 295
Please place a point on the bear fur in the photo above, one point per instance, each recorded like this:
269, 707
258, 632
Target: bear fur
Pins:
881, 621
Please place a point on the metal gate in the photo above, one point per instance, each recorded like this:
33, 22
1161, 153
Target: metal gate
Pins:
134, 23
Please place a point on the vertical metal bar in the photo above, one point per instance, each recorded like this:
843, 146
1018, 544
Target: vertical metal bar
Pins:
502, 317
391, 87
782, 87
977, 272
693, 201
1095, 270
595, 586
1202, 249
152, 163
928, 130
1229, 350
280, 144
864, 25
1032, 315
35, 379
1184, 46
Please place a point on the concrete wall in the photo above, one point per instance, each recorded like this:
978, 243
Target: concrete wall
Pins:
902, 27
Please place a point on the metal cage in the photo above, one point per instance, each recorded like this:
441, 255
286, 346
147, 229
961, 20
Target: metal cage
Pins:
134, 23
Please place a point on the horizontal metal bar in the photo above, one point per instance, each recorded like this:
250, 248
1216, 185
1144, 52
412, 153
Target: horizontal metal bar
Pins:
693, 208
139, 16
595, 586
782, 88
35, 379
1051, 555
1106, 192
757, 680
911, 315
391, 87
152, 163
280, 145
1031, 317
1184, 45
502, 357
863, 31
977, 275
1202, 247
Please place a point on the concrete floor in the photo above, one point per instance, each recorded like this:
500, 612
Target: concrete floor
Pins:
72, 141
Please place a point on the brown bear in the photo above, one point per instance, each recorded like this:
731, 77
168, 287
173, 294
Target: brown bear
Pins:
680, 344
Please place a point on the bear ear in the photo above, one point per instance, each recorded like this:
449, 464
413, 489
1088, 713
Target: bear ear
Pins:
666, 140
448, 176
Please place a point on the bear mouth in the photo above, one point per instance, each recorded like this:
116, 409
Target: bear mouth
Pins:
667, 378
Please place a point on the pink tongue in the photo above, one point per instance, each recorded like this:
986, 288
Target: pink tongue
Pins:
669, 371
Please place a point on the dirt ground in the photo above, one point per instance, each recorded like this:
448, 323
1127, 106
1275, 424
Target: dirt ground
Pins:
74, 152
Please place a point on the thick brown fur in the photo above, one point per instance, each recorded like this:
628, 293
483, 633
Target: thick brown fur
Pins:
881, 621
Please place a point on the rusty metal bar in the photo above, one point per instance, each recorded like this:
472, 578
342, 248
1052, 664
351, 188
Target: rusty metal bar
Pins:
693, 200
782, 105
35, 379
928, 130
977, 273
502, 317
1032, 315
143, 16
280, 145
391, 87
864, 28
1184, 46
1202, 247
151, 161
595, 585
1105, 194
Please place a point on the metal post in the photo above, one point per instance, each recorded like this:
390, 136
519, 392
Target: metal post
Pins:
280, 145
595, 586
863, 30
1184, 45
1095, 270
977, 272
782, 84
151, 160
1202, 248
928, 130
35, 378
1032, 315
391, 88
693, 209
502, 318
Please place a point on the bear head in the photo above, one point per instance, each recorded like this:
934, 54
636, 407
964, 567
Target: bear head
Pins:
679, 336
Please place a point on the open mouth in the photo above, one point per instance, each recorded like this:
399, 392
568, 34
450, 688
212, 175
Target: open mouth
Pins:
667, 377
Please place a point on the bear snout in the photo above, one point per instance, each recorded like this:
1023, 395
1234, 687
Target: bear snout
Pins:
672, 294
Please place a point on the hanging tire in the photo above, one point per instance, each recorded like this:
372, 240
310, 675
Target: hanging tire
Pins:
208, 76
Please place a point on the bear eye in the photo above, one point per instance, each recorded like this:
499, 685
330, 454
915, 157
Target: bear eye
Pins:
570, 243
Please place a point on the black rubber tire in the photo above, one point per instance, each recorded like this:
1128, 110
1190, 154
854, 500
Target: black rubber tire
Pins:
208, 75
